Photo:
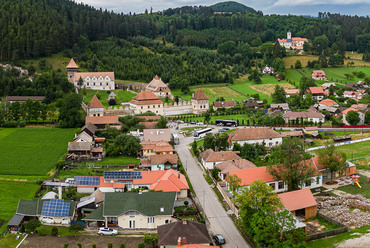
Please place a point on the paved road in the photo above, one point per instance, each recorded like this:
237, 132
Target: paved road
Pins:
220, 222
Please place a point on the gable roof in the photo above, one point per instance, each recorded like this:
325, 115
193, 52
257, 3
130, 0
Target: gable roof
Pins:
163, 158
90, 127
102, 120
291, 91
292, 134
211, 156
199, 95
156, 146
85, 136
95, 103
235, 164
157, 85
146, 97
284, 106
248, 176
157, 134
318, 72
224, 104
195, 233
253, 134
328, 102
349, 109
72, 64
34, 208
147, 203
83, 75
294, 115
79, 146
316, 90
148, 124
298, 199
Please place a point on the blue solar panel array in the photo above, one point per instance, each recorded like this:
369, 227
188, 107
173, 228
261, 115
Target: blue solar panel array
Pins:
82, 180
122, 175
55, 207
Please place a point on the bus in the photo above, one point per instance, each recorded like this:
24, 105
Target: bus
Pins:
229, 123
176, 139
201, 133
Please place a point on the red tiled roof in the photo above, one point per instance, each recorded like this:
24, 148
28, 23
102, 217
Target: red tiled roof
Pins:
294, 115
149, 124
316, 90
292, 134
102, 119
235, 164
248, 176
151, 117
299, 39
328, 102
95, 103
291, 91
199, 95
298, 199
72, 64
349, 109
157, 85
253, 134
347, 92
318, 72
146, 98
83, 75
211, 156
224, 104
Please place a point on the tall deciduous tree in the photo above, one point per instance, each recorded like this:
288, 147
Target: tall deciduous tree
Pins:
70, 111
278, 96
162, 122
290, 164
353, 117
332, 159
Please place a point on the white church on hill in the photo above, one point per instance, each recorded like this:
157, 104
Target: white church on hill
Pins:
292, 42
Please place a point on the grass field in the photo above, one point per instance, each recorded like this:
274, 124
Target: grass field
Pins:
364, 190
268, 89
10, 193
357, 150
56, 61
122, 96
32, 151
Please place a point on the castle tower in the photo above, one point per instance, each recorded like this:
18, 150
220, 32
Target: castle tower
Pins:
199, 102
289, 36
72, 67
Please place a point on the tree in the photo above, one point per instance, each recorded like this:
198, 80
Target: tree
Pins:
194, 147
332, 159
290, 164
151, 239
298, 64
367, 118
278, 96
80, 82
70, 111
124, 145
32, 225
94, 62
162, 122
207, 117
353, 117
234, 182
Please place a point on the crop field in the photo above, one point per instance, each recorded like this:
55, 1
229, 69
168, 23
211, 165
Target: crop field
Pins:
268, 89
122, 96
32, 151
10, 193
216, 92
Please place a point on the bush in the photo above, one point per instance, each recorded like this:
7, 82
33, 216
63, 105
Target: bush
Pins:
79, 245
93, 245
22, 124
23, 229
76, 226
32, 225
141, 245
112, 102
186, 203
122, 245
110, 245
54, 231
10, 124
66, 245
60, 164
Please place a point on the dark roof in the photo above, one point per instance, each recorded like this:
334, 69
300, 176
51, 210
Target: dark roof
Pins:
89, 126
24, 98
16, 220
195, 233
96, 215
224, 104
147, 203
79, 146
34, 208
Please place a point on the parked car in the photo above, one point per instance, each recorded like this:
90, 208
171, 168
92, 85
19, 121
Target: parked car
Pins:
219, 239
180, 122
299, 129
193, 123
107, 231
200, 123
221, 130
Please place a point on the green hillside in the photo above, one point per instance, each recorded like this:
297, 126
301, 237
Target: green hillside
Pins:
231, 6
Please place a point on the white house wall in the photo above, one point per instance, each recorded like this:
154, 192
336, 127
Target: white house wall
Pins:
272, 141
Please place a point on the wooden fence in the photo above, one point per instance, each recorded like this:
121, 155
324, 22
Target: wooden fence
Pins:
333, 232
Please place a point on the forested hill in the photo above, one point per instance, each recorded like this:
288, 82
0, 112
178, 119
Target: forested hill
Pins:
231, 6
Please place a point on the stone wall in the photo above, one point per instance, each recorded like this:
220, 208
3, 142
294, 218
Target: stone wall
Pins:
134, 86
113, 111
182, 107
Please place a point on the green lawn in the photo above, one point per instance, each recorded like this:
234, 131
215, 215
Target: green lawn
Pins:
357, 150
190, 129
332, 242
62, 231
10, 193
10, 240
32, 151
119, 160
364, 190
56, 61
122, 96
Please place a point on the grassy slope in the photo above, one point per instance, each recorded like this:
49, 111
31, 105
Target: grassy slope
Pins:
122, 96
32, 151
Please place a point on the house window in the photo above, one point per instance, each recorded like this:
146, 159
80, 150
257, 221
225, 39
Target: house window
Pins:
150, 219
148, 106
159, 106
141, 107
272, 185
167, 221
281, 185
153, 106
308, 183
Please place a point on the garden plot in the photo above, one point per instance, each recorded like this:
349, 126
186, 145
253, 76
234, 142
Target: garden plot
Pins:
268, 89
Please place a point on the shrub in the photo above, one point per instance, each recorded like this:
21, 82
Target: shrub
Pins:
60, 164
9, 124
186, 203
112, 102
66, 245
203, 221
141, 245
122, 245
110, 245
76, 226
23, 229
54, 231
22, 124
32, 225
79, 245
93, 245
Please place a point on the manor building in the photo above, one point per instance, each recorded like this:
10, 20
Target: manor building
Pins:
292, 42
146, 101
90, 80
159, 88
200, 102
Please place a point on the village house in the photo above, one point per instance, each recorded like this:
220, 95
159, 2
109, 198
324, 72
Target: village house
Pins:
157, 135
260, 135
84, 151
317, 93
231, 165
253, 104
268, 70
149, 148
329, 103
360, 107
349, 94
291, 92
200, 102
224, 104
90, 80
295, 43
89, 128
83, 137
160, 162
292, 134
146, 101
116, 181
209, 158
112, 96
301, 203
159, 88
306, 116
50, 211
326, 86
360, 114
95, 107
318, 75
102, 121
23, 99
279, 107
140, 211
183, 232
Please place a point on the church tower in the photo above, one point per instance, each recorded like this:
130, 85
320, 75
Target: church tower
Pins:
72, 67
289, 36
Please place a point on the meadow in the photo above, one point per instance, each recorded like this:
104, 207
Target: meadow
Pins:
32, 151
121, 96
10, 193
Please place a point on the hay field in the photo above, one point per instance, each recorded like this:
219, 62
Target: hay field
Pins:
268, 89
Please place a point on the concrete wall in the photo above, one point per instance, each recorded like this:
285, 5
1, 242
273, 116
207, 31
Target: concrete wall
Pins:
180, 108
85, 190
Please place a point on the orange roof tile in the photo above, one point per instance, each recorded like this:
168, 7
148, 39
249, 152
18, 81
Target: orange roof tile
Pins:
349, 109
95, 103
253, 134
148, 124
102, 119
83, 75
211, 156
163, 158
146, 98
316, 90
199, 95
235, 164
328, 102
72, 64
298, 199
248, 176
157, 85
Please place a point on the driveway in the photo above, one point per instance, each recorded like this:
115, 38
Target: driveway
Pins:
220, 222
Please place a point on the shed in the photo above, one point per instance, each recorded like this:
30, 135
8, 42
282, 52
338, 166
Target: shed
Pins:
300, 203
15, 221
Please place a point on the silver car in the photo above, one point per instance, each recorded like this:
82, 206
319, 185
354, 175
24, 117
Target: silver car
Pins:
107, 231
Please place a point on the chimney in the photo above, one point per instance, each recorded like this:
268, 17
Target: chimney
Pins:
60, 192
178, 175
179, 241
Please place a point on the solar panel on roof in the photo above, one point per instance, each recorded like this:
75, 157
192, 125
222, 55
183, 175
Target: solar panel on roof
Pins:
82, 180
55, 207
122, 175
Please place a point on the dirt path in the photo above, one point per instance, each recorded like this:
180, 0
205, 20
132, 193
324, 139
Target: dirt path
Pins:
360, 242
